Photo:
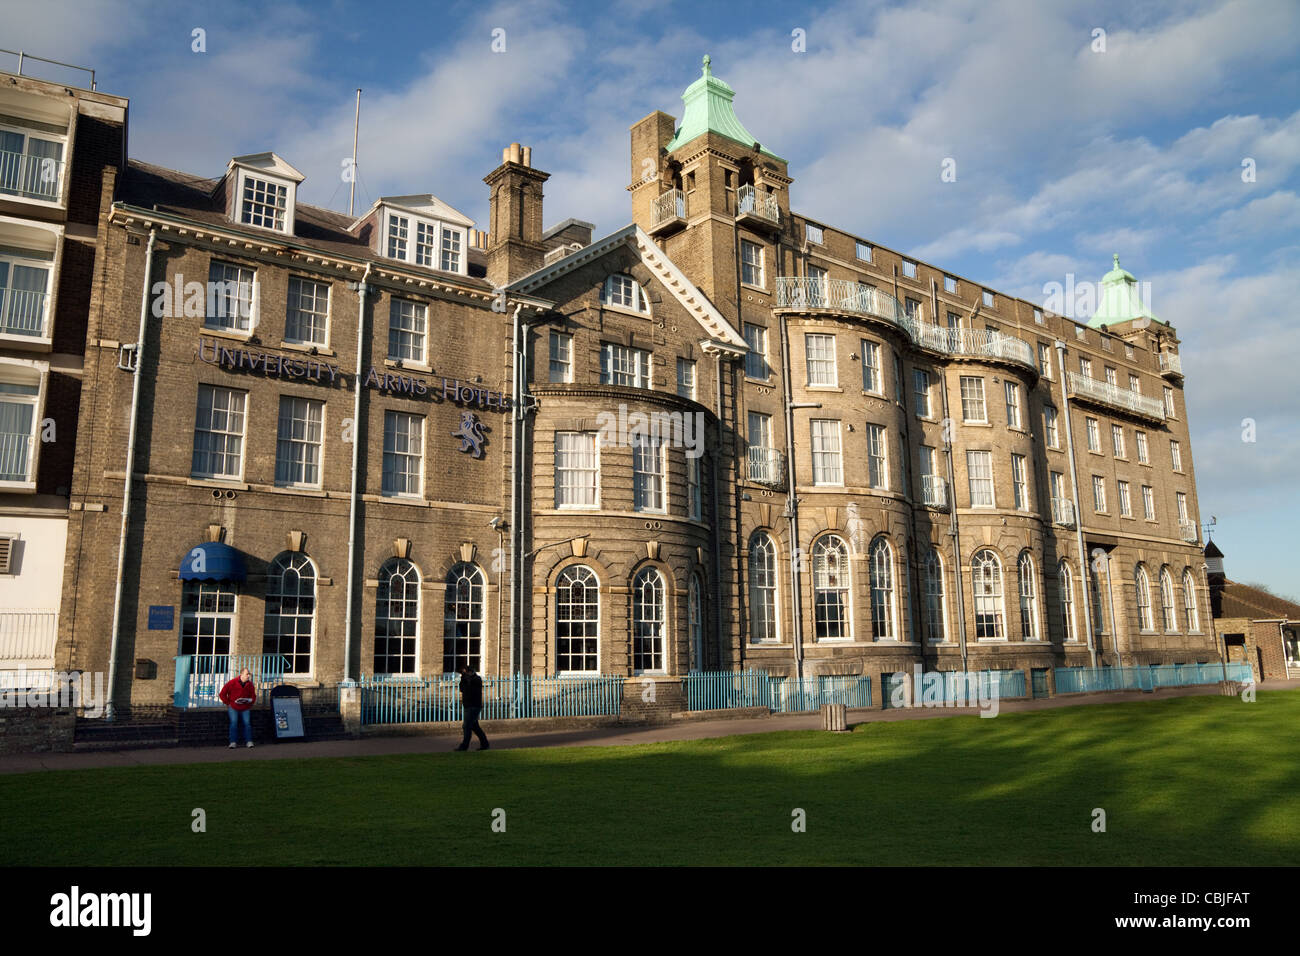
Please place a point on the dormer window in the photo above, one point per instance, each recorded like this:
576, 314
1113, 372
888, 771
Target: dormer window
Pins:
261, 190
430, 243
263, 203
623, 292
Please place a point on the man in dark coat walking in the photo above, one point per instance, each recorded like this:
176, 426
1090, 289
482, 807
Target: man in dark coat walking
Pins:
471, 698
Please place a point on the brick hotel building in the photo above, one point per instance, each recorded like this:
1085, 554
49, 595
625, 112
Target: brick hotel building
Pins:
372, 444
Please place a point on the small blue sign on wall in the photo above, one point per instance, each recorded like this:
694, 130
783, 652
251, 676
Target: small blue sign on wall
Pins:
162, 617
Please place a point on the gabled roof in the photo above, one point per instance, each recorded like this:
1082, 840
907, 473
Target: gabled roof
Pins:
653, 258
267, 163
1242, 600
423, 204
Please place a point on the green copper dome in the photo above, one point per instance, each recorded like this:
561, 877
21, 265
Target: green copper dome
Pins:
709, 110
1120, 300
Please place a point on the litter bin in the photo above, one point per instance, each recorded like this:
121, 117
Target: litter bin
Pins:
834, 717
286, 712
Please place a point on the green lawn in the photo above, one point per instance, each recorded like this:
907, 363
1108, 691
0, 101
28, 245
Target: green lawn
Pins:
1201, 780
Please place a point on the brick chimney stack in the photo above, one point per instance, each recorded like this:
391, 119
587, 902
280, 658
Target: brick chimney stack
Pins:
515, 245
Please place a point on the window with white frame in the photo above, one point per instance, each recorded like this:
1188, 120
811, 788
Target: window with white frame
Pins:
884, 605
762, 588
949, 283
936, 619
1066, 584
1169, 403
219, 433
1148, 503
1141, 439
306, 319
648, 474
1110, 374
399, 229
298, 442
1134, 384
648, 622
263, 203
397, 617
1181, 498
827, 464
751, 263
207, 617
624, 365
831, 612
987, 298
871, 367
1028, 596
812, 233
231, 297
561, 362
462, 619
426, 240
986, 585
430, 243
1098, 494
819, 353
624, 292
756, 358
403, 468
24, 292
1189, 602
577, 470
1176, 454
407, 322
1038, 316
979, 468
31, 165
909, 269
289, 620
451, 250
1019, 483
1050, 428
1125, 505
20, 397
877, 461
863, 251
1079, 333
1012, 391
760, 430
1094, 435
1117, 440
1085, 367
1168, 619
1143, 586
1045, 360
921, 383
972, 399
577, 621
686, 378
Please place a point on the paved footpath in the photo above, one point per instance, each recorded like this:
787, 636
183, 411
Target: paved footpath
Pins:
591, 737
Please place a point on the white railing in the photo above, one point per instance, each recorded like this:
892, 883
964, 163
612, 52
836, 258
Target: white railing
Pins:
1084, 386
671, 205
15, 453
1063, 512
934, 491
32, 177
762, 205
846, 296
767, 466
23, 312
1187, 530
27, 637
1170, 362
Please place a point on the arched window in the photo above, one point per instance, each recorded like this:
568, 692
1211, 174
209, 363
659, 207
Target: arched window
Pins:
936, 614
1067, 604
695, 621
1189, 602
577, 621
884, 608
831, 614
462, 621
290, 611
1143, 585
648, 622
1028, 597
1169, 619
624, 292
762, 588
207, 617
986, 582
397, 617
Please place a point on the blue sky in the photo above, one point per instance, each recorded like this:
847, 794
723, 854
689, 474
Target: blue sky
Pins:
1064, 154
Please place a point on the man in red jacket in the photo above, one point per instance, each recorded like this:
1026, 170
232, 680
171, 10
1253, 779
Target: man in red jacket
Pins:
238, 695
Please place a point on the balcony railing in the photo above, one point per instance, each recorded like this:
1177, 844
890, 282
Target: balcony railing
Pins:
15, 453
1187, 531
32, 177
1170, 364
1063, 512
845, 296
767, 466
668, 211
23, 312
1113, 396
934, 491
758, 207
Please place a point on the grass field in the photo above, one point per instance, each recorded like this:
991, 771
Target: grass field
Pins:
1200, 780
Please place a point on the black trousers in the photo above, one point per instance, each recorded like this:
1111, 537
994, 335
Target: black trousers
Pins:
471, 726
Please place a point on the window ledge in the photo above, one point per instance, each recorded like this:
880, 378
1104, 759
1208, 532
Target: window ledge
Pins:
199, 481
408, 365
823, 388
19, 487
239, 335
294, 490
307, 347
397, 500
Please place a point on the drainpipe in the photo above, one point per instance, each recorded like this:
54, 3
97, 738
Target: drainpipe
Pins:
129, 484
717, 534
362, 289
1085, 564
954, 530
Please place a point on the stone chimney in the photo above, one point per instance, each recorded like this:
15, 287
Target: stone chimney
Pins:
515, 246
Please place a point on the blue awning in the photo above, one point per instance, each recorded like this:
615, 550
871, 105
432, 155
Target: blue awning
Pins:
213, 562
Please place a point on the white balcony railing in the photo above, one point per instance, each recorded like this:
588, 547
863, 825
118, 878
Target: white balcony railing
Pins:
759, 205
27, 637
15, 454
767, 466
1170, 363
1090, 389
934, 491
669, 207
32, 177
845, 296
1187, 531
23, 312
1063, 512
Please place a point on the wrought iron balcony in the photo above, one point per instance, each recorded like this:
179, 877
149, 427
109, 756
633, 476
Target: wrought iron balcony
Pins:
767, 466
1171, 364
1063, 512
934, 491
1187, 531
668, 213
31, 177
755, 208
24, 312
1088, 389
841, 295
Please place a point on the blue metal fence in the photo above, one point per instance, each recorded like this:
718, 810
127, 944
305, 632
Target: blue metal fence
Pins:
725, 690
794, 696
200, 677
1079, 680
405, 700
